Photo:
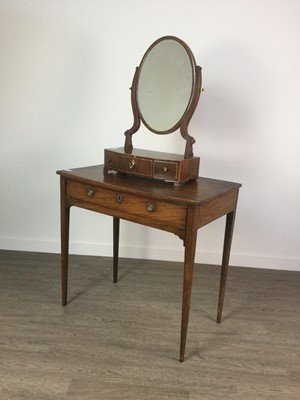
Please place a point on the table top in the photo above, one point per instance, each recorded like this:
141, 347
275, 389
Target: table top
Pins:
195, 192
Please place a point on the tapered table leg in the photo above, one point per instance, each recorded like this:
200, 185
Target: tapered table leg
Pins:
65, 223
225, 261
189, 257
190, 247
116, 234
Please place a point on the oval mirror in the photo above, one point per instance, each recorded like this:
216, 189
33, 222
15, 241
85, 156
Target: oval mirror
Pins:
165, 91
166, 84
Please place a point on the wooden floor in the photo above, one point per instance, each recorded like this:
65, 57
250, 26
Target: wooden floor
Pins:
121, 341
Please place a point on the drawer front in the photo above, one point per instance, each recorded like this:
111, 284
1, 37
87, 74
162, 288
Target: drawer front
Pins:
134, 165
143, 210
165, 170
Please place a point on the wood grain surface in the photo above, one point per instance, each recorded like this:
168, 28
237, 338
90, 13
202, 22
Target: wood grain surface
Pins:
120, 341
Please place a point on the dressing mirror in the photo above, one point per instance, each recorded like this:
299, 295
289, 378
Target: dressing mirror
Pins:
164, 94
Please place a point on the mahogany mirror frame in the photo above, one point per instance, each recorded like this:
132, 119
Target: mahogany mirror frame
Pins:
183, 122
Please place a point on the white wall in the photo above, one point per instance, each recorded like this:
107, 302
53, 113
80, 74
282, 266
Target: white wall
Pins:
65, 71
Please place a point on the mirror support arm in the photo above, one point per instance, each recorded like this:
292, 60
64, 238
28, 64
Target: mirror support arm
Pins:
184, 125
189, 144
128, 147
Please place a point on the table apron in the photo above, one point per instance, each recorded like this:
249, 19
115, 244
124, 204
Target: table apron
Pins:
216, 208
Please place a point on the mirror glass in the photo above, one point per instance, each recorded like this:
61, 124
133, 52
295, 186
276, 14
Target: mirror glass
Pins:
165, 84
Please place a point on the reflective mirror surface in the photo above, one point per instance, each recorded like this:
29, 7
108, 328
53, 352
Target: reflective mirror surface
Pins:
165, 84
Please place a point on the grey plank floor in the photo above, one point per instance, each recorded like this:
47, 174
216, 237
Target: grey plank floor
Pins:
121, 341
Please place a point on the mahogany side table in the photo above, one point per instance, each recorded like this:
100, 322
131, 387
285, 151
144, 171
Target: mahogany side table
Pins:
180, 210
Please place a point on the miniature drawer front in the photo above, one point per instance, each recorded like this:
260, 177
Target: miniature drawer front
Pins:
165, 170
134, 165
129, 164
161, 213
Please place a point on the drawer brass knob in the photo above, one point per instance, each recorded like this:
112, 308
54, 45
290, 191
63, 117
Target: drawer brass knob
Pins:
151, 206
90, 192
165, 169
132, 164
119, 198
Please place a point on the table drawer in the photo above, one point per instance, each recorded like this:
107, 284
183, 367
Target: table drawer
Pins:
158, 213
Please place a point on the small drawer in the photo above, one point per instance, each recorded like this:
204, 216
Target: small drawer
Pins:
165, 170
134, 165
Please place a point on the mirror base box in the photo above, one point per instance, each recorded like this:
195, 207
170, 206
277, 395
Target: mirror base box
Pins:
152, 164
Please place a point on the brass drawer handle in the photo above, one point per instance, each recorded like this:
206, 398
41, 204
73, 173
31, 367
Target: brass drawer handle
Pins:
90, 192
119, 198
165, 169
151, 206
132, 164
